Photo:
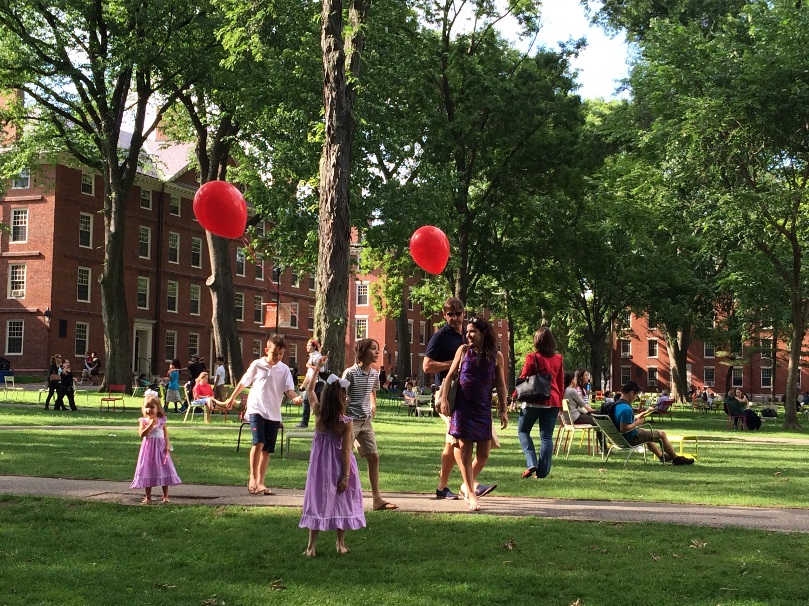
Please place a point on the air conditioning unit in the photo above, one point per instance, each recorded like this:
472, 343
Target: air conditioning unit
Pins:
18, 294
709, 383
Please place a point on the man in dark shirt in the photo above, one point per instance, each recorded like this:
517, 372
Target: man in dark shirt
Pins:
438, 359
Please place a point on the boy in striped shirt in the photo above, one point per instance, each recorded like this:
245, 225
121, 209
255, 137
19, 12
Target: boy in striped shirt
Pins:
361, 406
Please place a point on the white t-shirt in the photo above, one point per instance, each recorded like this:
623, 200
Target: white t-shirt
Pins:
219, 375
314, 360
269, 383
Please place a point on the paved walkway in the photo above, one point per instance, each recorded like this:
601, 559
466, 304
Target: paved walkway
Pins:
773, 519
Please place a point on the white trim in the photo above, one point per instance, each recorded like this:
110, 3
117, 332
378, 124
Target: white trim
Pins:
90, 230
89, 284
21, 338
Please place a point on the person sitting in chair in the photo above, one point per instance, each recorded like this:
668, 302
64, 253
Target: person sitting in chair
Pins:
664, 401
623, 417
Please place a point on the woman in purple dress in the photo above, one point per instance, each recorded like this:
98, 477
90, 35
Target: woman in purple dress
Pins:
332, 499
481, 368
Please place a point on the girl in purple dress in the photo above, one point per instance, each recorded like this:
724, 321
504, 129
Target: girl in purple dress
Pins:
154, 467
481, 368
333, 496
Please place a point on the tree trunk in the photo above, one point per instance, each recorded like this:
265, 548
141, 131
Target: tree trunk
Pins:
220, 284
334, 226
117, 363
403, 367
793, 368
677, 344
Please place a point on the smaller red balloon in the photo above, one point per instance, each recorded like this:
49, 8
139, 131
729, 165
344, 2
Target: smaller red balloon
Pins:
220, 208
429, 247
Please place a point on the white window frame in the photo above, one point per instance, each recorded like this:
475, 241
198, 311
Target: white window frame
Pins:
145, 237
145, 198
737, 373
172, 285
258, 309
193, 344
768, 370
196, 242
293, 320
17, 293
628, 352
89, 273
312, 282
173, 247
89, 231
22, 180
295, 279
19, 325
292, 349
81, 347
23, 223
171, 341
172, 205
410, 298
241, 262
656, 348
626, 374
362, 293
238, 305
259, 269
649, 380
194, 297
311, 318
709, 382
256, 348
410, 331
422, 332
709, 351
143, 281
361, 327
88, 184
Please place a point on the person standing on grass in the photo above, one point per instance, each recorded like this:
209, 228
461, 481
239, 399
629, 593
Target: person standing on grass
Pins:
154, 467
219, 389
480, 368
173, 384
363, 382
269, 380
438, 358
333, 496
54, 382
67, 390
312, 370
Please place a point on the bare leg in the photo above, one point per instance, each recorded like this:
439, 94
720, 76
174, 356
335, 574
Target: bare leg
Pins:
255, 465
264, 459
464, 453
447, 463
310, 548
165, 494
482, 450
373, 478
148, 497
341, 542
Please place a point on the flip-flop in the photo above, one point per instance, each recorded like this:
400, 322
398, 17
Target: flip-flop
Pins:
266, 492
386, 507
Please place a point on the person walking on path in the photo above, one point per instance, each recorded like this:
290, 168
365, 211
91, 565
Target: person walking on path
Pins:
438, 358
67, 390
54, 382
332, 499
154, 467
270, 381
481, 368
544, 360
363, 382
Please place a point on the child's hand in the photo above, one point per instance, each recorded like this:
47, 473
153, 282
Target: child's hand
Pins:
341, 487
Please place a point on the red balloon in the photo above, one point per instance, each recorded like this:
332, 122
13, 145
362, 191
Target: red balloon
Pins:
220, 208
429, 247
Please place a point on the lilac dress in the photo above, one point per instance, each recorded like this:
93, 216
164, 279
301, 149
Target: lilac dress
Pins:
472, 417
323, 507
154, 467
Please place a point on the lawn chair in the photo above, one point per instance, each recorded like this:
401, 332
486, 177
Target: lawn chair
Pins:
424, 405
115, 393
665, 408
569, 429
615, 440
12, 387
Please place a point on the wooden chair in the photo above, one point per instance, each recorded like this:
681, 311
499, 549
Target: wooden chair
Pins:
569, 429
615, 440
115, 393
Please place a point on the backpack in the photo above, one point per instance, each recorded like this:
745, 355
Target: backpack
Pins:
608, 408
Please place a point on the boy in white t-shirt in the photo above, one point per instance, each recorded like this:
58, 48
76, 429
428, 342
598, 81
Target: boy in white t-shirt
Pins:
269, 380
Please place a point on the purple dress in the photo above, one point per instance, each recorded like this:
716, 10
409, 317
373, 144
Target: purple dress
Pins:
154, 467
472, 417
323, 507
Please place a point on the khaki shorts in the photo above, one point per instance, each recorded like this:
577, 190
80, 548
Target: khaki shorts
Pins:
644, 436
448, 438
364, 437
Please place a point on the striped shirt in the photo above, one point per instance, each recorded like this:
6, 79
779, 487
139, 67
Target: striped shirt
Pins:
363, 384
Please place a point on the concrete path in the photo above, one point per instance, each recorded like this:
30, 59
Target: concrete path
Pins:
773, 519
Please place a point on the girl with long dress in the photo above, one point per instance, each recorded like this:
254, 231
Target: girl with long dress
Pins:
332, 499
481, 369
155, 467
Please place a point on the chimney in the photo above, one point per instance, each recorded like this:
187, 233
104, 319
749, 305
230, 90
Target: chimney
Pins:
10, 131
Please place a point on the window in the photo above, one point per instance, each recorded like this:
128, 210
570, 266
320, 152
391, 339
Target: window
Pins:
499, 342
312, 282
766, 378
239, 262
709, 351
293, 319
311, 320
171, 345
15, 330
362, 328
737, 378
652, 345
196, 252
174, 247
626, 374
626, 349
258, 310
145, 242
362, 293
276, 272
174, 205
410, 298
194, 293
256, 348
259, 269
651, 321
709, 376
81, 343
295, 279
16, 281
410, 331
19, 225
651, 375
143, 292
422, 333
193, 344
292, 349
22, 180
83, 286
628, 319
171, 296
88, 184
766, 348
238, 303
85, 230
146, 199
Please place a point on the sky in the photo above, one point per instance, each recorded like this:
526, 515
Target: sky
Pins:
601, 65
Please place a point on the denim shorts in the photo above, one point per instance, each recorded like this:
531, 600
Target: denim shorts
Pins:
264, 432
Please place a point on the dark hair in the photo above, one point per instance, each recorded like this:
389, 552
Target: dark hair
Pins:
580, 377
544, 343
332, 405
362, 347
631, 386
489, 338
220, 359
176, 363
569, 375
280, 341
453, 304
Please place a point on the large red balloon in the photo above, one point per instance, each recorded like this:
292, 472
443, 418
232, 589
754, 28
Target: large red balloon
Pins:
429, 247
220, 208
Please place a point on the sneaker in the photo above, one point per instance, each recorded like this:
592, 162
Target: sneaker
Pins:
446, 493
183, 409
301, 426
664, 458
484, 489
682, 461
